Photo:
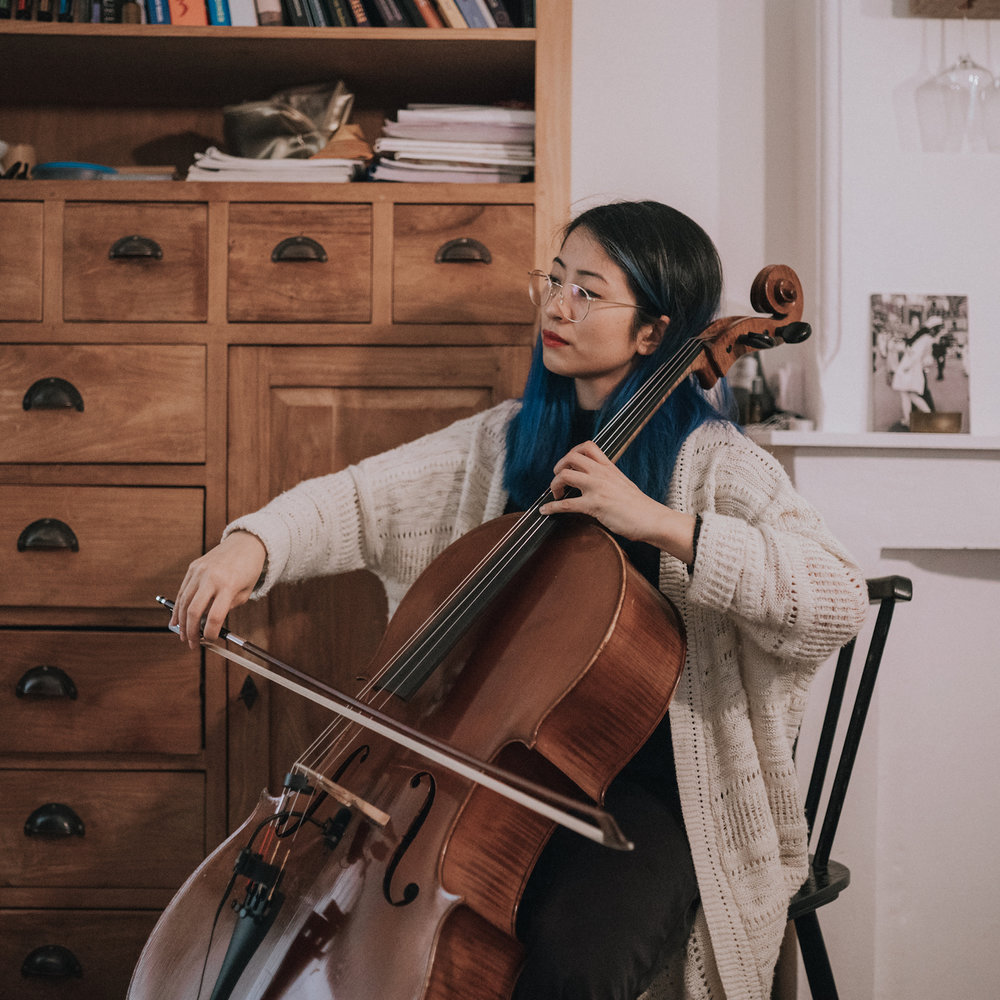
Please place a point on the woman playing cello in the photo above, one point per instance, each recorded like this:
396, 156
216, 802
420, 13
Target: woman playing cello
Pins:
765, 593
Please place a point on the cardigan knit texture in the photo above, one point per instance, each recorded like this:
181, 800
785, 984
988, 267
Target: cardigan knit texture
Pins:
772, 595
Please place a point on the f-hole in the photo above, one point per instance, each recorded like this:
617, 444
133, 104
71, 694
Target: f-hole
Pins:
411, 890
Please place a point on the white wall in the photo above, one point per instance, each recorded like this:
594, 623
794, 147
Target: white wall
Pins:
786, 127
709, 107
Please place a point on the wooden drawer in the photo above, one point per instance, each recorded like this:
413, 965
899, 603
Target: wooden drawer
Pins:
113, 829
97, 692
300, 263
21, 260
102, 403
462, 263
135, 262
71, 954
131, 543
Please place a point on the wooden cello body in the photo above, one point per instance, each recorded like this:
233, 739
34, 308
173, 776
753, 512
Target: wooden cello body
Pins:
378, 876
579, 621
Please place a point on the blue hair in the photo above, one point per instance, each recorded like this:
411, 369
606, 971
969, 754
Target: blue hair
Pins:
673, 270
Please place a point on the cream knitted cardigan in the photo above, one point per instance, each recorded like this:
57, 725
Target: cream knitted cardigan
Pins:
772, 595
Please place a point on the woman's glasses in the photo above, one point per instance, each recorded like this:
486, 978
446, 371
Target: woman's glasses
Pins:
575, 301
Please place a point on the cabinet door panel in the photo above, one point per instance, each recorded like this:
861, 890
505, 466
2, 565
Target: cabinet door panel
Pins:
21, 260
314, 411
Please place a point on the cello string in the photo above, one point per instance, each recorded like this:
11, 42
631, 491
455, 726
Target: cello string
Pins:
619, 429
339, 736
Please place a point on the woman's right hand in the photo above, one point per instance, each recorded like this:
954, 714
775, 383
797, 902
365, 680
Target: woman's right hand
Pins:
215, 583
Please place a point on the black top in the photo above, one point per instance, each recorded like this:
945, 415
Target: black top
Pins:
653, 764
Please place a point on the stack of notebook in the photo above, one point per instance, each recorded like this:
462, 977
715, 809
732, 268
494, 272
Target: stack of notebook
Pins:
455, 143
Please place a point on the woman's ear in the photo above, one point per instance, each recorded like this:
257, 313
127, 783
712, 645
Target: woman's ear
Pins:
651, 335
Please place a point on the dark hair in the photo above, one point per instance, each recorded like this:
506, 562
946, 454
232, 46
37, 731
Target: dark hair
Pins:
673, 270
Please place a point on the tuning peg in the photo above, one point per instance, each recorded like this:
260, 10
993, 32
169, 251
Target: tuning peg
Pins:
794, 333
758, 341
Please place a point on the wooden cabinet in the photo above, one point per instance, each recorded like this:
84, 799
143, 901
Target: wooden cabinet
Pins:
174, 354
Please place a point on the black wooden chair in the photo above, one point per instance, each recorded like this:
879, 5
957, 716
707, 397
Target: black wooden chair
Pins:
828, 878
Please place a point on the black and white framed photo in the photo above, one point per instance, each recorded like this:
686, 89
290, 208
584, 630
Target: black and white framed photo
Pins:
920, 363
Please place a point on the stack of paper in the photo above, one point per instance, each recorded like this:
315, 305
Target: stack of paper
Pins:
213, 165
456, 143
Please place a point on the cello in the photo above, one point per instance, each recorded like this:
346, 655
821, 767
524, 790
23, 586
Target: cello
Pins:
392, 863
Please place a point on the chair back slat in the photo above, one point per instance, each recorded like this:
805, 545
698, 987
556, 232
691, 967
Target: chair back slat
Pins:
824, 749
884, 591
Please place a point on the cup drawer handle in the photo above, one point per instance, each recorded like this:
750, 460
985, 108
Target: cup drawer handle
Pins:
135, 248
53, 394
45, 682
299, 248
47, 533
51, 961
463, 250
53, 820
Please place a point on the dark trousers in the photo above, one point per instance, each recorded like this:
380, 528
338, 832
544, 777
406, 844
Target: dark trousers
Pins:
599, 924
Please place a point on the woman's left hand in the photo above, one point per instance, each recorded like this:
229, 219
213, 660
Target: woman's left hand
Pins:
610, 497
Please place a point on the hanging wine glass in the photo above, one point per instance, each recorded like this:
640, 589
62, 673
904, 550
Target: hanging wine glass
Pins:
950, 106
966, 86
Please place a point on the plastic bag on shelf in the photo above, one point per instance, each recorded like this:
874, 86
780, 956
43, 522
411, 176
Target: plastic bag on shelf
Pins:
292, 124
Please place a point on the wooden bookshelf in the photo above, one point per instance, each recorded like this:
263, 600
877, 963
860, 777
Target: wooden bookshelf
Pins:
260, 388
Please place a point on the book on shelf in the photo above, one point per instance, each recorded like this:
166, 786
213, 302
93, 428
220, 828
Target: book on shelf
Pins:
358, 13
429, 13
475, 13
295, 13
483, 153
269, 12
438, 173
386, 13
218, 12
500, 14
338, 13
481, 142
316, 13
213, 165
450, 14
412, 13
189, 12
501, 132
432, 115
243, 13
157, 12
